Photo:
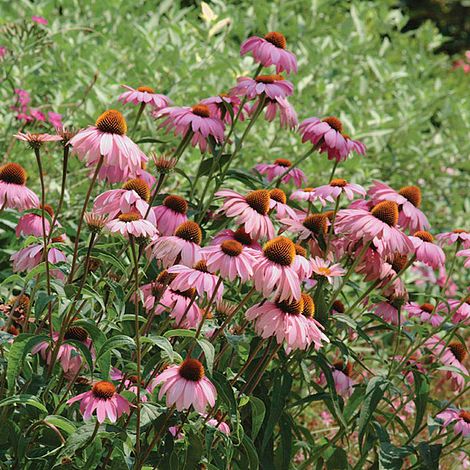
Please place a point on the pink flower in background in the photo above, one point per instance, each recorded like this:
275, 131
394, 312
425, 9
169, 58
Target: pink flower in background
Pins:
181, 307
55, 119
39, 20
31, 224
270, 50
145, 95
103, 399
197, 120
108, 139
459, 418
426, 251
425, 312
3, 52
278, 203
130, 383
302, 264
388, 311
287, 113
271, 86
456, 236
218, 107
330, 192
305, 194
28, 258
250, 210
460, 309
238, 235
187, 385
37, 114
341, 373
220, 425
325, 269
464, 253
13, 191
279, 167
171, 214
23, 97
131, 223
408, 199
310, 226
274, 273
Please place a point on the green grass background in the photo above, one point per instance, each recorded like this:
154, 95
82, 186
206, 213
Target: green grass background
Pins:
390, 89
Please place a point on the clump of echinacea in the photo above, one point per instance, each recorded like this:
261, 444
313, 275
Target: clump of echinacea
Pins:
108, 143
144, 95
270, 50
196, 121
13, 191
327, 135
186, 385
103, 400
279, 167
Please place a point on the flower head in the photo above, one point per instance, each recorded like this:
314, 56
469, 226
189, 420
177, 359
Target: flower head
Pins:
269, 86
13, 191
170, 214
330, 192
459, 418
324, 268
144, 95
456, 236
35, 141
426, 312
279, 167
132, 223
426, 250
28, 258
219, 104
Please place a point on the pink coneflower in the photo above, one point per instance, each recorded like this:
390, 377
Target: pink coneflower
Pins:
452, 354
408, 199
3, 52
197, 277
238, 235
181, 307
55, 119
426, 251
327, 134
132, 223
270, 50
107, 139
270, 86
36, 140
13, 192
280, 166
460, 309
144, 95
278, 203
230, 260
31, 224
324, 268
187, 385
171, 214
460, 418
39, 19
250, 210
130, 383
218, 424
287, 114
273, 271
184, 246
304, 194
377, 225
28, 258
302, 265
315, 329
427, 313
313, 225
456, 236
197, 120
104, 399
465, 253
219, 105
133, 197
342, 373
330, 192
388, 310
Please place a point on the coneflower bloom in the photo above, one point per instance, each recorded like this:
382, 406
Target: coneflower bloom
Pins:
31, 224
184, 245
218, 107
327, 135
218, 424
452, 354
270, 86
197, 277
153, 291
103, 399
278, 202
132, 223
302, 265
238, 235
377, 225
342, 373
287, 114
196, 119
459, 418
426, 250
270, 50
146, 95
187, 385
313, 225
315, 329
273, 271
324, 268
456, 236
171, 214
130, 383
36, 140
230, 260
460, 309
132, 197
13, 191
304, 194
107, 139
465, 253
250, 210
408, 199
280, 166
330, 192
388, 310
426, 312
28, 258
181, 308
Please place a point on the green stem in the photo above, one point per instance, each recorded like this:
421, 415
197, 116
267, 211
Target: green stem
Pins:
333, 170
137, 118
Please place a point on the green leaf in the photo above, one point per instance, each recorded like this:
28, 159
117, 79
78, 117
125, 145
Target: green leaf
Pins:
225, 391
116, 342
29, 400
180, 332
162, 343
21, 346
250, 452
83, 348
338, 460
209, 353
421, 383
429, 455
62, 423
258, 412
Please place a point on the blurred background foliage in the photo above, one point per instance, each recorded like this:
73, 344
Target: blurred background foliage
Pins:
375, 64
